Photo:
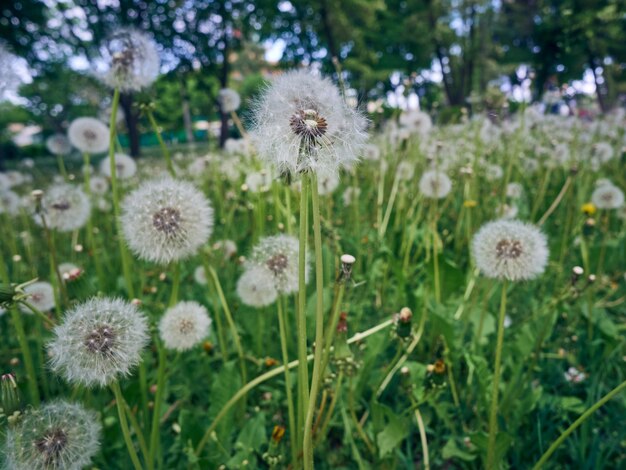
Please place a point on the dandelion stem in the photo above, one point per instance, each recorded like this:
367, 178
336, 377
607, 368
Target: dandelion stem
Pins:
268, 375
303, 370
175, 284
90, 238
392, 197
293, 435
61, 165
422, 430
164, 149
54, 262
119, 402
28, 358
493, 414
319, 326
544, 458
156, 413
116, 196
231, 322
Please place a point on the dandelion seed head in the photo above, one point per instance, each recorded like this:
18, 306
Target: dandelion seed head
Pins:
89, 135
132, 59
57, 436
184, 325
514, 190
279, 255
435, 184
65, 207
58, 144
125, 166
507, 211
607, 196
229, 100
98, 185
40, 295
301, 123
10, 202
256, 286
98, 342
510, 249
199, 275
166, 220
350, 195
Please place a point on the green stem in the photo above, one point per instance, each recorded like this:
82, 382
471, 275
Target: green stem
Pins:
28, 359
156, 413
268, 375
119, 401
493, 414
231, 322
116, 197
293, 435
303, 370
544, 458
90, 238
166, 152
62, 170
175, 284
435, 252
422, 430
54, 262
332, 326
392, 197
319, 326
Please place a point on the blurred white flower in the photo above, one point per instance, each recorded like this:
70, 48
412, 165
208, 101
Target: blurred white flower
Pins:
506, 211
199, 275
98, 185
607, 196
228, 247
125, 166
132, 60
59, 144
258, 181
9, 202
40, 295
514, 190
435, 184
229, 100
65, 207
89, 135
350, 195
573, 375
256, 286
327, 183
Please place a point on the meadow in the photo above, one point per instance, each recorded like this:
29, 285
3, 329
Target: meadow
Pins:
457, 293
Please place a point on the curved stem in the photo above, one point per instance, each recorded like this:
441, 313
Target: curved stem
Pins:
231, 322
493, 414
422, 429
156, 413
544, 458
319, 326
28, 358
268, 375
119, 402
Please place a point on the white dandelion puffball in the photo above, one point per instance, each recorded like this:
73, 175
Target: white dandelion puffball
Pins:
416, 121
405, 171
607, 196
10, 202
98, 185
506, 211
89, 135
58, 436
166, 220
279, 255
510, 249
227, 247
184, 325
10, 80
229, 100
65, 207
199, 275
256, 286
493, 172
98, 342
435, 184
514, 190
573, 375
125, 166
327, 183
132, 60
258, 181
350, 195
371, 152
301, 123
5, 182
58, 144
40, 295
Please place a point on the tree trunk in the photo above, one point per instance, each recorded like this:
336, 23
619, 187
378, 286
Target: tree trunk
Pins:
599, 87
132, 121
184, 97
